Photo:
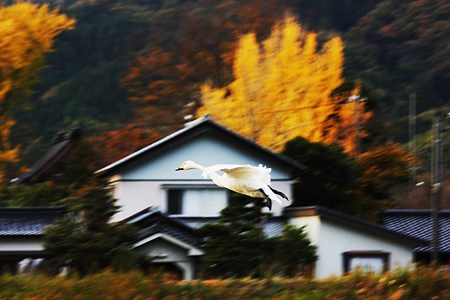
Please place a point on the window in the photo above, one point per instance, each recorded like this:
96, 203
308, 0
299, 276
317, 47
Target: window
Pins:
370, 261
196, 201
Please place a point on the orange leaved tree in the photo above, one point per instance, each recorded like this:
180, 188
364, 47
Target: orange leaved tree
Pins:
27, 32
282, 87
345, 126
110, 147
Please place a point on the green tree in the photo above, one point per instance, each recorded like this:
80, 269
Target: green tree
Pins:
238, 239
332, 178
85, 240
295, 252
39, 194
361, 186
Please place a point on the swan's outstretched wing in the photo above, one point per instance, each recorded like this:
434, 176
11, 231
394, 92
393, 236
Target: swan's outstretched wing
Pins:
246, 172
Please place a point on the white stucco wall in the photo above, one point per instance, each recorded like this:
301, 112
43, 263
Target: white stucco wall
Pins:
333, 240
22, 244
180, 256
205, 150
134, 196
142, 185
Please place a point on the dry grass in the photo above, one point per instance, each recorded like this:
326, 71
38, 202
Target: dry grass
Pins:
425, 283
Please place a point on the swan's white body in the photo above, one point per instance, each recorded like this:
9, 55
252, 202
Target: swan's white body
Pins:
244, 179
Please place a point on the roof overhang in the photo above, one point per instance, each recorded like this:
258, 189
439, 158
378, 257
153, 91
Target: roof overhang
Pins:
352, 222
192, 251
189, 132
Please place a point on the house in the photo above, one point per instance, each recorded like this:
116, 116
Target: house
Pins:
345, 242
418, 223
52, 163
22, 228
21, 231
167, 206
147, 177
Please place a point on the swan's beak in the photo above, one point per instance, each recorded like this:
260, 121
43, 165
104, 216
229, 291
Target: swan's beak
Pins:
179, 169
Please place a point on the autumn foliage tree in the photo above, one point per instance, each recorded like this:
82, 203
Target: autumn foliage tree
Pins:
8, 153
282, 87
195, 44
116, 144
27, 32
385, 168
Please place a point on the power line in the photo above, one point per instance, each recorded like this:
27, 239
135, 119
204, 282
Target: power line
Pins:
104, 130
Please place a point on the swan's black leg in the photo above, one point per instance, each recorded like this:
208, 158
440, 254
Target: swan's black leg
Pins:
278, 193
269, 203
268, 200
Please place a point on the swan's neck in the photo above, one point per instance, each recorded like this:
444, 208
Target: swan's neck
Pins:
197, 166
216, 178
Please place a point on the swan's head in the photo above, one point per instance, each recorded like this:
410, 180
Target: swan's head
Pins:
187, 165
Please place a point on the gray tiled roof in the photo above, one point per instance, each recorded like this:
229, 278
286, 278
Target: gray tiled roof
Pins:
27, 221
152, 221
273, 226
418, 224
171, 231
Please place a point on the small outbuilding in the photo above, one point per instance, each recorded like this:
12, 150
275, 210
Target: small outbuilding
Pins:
345, 242
21, 234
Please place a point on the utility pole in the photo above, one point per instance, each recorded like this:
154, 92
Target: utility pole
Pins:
436, 185
357, 99
412, 143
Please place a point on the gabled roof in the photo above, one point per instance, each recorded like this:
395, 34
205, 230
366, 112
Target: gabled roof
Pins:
152, 221
187, 133
353, 222
28, 221
417, 223
54, 157
273, 226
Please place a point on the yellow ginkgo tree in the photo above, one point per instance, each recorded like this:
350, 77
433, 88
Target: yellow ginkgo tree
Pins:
27, 32
282, 88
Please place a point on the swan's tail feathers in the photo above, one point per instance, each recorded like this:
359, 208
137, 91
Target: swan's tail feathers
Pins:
279, 193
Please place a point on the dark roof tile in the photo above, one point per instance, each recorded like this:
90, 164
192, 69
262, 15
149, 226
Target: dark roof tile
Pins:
27, 221
418, 224
273, 226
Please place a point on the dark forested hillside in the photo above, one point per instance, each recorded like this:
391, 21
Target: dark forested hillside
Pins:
124, 54
89, 79
402, 47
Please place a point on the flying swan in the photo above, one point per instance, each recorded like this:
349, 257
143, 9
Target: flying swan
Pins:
244, 179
